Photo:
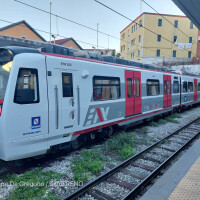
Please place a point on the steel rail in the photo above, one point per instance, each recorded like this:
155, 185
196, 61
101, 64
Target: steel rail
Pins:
108, 174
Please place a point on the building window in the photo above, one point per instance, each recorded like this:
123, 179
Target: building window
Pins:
134, 28
159, 22
132, 42
175, 38
153, 87
191, 25
189, 54
184, 86
159, 38
27, 87
67, 85
176, 87
176, 23
138, 53
190, 86
132, 55
123, 36
140, 23
139, 38
174, 53
190, 39
106, 88
137, 87
122, 48
158, 53
129, 88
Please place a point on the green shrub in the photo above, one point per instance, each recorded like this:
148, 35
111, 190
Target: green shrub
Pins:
89, 163
116, 143
153, 124
144, 129
37, 176
162, 121
127, 151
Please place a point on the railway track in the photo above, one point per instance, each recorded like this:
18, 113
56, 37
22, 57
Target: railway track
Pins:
128, 176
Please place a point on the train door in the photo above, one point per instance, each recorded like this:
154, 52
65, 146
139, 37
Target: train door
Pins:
167, 91
62, 94
133, 93
195, 89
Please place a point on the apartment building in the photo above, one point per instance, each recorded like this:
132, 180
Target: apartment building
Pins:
176, 37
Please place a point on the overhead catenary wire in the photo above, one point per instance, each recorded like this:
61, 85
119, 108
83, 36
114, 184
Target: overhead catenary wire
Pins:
136, 22
42, 31
85, 26
53, 34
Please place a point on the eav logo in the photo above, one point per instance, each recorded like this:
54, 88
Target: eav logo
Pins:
96, 114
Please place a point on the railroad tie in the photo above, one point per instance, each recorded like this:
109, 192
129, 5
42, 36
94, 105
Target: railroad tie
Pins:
146, 167
99, 195
121, 183
137, 175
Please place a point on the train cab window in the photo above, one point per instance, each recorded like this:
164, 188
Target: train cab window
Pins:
129, 88
106, 88
185, 86
190, 86
176, 87
198, 86
27, 87
153, 87
67, 85
137, 87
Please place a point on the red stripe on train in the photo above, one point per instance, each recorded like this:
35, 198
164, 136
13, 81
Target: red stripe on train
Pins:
99, 114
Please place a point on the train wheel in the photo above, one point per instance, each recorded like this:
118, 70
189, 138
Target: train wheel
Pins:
109, 132
78, 142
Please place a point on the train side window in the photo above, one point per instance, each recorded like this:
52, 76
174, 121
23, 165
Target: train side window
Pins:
165, 87
195, 87
67, 84
190, 86
198, 86
137, 87
129, 88
176, 87
153, 87
184, 86
27, 87
106, 88
169, 87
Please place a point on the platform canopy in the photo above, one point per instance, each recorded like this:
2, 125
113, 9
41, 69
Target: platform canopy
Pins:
191, 8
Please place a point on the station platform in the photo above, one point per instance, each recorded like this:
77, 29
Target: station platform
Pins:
181, 181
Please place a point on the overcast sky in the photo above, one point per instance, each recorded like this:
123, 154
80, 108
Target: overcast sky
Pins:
86, 12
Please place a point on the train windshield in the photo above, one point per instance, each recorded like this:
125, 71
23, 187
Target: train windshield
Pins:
6, 58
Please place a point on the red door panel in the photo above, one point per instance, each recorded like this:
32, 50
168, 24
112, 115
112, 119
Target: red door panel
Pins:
137, 93
133, 93
165, 101
195, 89
129, 93
167, 91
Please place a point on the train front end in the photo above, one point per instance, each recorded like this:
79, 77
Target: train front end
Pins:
6, 60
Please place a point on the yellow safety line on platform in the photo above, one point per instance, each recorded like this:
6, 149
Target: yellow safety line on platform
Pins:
189, 187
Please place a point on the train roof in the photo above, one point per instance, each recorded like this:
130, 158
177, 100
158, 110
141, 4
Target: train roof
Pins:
65, 51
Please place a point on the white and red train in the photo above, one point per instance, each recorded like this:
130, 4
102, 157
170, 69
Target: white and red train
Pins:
51, 100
